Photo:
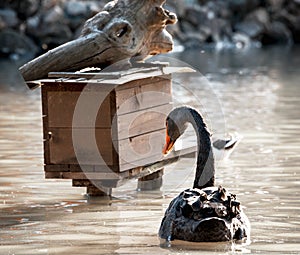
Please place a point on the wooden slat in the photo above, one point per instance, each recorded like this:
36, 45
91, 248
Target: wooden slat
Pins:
81, 168
57, 168
103, 74
90, 75
141, 150
81, 175
45, 124
61, 107
142, 82
143, 96
141, 122
62, 151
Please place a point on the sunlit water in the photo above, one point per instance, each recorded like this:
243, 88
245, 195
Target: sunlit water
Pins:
256, 94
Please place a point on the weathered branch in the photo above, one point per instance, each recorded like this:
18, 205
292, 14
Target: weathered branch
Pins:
124, 29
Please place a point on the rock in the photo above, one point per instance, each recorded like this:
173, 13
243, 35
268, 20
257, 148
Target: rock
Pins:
48, 4
277, 33
76, 8
241, 40
291, 18
22, 49
253, 29
221, 30
9, 18
196, 15
275, 4
78, 12
33, 23
260, 15
193, 40
2, 24
187, 27
25, 8
54, 35
242, 7
53, 15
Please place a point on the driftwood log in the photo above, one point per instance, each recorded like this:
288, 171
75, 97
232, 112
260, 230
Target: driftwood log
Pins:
124, 29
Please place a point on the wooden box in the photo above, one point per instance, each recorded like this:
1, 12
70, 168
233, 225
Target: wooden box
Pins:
103, 127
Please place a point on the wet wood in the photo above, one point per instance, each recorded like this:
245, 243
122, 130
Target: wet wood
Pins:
61, 108
96, 191
141, 150
121, 31
141, 122
129, 127
62, 150
152, 181
139, 97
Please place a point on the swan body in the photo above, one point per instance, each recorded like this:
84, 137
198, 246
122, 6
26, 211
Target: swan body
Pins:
204, 213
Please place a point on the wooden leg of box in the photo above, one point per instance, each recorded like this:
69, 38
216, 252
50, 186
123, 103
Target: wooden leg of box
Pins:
151, 181
94, 191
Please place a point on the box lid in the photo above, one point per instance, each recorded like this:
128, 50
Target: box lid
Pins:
113, 78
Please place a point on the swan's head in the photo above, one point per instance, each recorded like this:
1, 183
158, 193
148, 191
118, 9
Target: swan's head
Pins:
176, 124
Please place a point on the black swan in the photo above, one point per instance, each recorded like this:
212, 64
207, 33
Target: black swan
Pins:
204, 213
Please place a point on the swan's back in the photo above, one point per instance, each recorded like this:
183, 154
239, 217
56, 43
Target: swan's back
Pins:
206, 215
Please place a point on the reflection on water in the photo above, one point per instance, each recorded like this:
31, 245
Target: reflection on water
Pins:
257, 95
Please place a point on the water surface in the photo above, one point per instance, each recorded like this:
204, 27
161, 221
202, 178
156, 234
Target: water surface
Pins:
254, 93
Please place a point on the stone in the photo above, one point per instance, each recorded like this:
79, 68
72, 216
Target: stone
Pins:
275, 4
54, 15
253, 29
260, 15
48, 4
9, 18
196, 16
2, 24
25, 8
76, 8
241, 40
242, 7
277, 33
22, 49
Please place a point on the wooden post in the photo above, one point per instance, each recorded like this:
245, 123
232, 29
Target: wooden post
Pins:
151, 182
95, 191
125, 29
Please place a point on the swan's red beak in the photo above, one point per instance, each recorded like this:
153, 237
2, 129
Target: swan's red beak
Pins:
169, 144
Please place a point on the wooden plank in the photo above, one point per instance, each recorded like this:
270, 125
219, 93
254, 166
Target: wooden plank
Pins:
57, 168
142, 171
61, 107
141, 122
81, 168
141, 150
161, 72
45, 125
103, 74
81, 175
141, 82
164, 72
62, 151
89, 75
143, 96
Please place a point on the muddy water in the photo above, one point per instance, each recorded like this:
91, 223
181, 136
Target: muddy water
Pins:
255, 94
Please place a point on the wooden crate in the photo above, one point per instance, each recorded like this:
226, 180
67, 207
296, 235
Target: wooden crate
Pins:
118, 115
103, 128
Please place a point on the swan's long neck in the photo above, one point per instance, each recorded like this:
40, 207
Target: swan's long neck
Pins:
205, 171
